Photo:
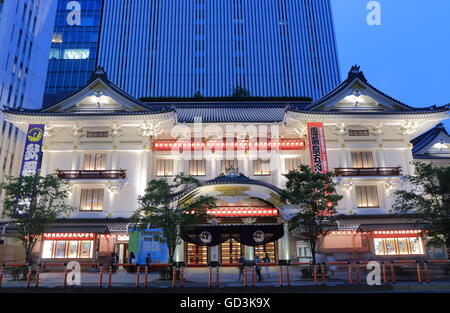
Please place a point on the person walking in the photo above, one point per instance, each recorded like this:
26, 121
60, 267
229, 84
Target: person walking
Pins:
241, 266
266, 261
132, 260
258, 262
148, 260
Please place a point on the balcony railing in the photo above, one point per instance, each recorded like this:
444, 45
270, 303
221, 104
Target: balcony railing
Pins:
114, 174
370, 171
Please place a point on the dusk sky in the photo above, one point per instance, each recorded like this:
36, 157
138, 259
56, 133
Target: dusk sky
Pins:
408, 56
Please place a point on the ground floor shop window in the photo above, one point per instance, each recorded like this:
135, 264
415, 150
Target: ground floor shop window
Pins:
230, 251
197, 254
398, 246
268, 249
67, 249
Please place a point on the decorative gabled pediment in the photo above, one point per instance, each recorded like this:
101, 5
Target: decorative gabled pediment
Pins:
98, 95
355, 94
433, 143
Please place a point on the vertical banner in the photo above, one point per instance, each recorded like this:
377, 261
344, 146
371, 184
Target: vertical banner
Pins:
32, 154
318, 149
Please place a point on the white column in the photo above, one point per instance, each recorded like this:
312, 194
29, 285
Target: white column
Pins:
249, 253
179, 252
214, 253
283, 245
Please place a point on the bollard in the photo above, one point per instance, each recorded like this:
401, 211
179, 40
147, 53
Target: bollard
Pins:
425, 268
392, 273
315, 274
174, 276
322, 267
350, 274
2, 268
37, 275
100, 276
253, 276
419, 277
109, 276
217, 277
65, 275
245, 276
288, 276
383, 267
210, 277
281, 276
30, 269
182, 277
138, 275
358, 274
146, 276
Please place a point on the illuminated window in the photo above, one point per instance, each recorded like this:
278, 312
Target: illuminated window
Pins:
367, 196
358, 132
55, 54
94, 162
229, 164
164, 167
398, 246
57, 38
197, 167
67, 249
261, 167
292, 164
362, 159
91, 200
76, 54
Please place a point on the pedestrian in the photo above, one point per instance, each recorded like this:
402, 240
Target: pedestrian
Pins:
132, 260
258, 262
241, 266
267, 262
148, 260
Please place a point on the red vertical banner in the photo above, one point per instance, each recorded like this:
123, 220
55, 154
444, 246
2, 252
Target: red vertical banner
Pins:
317, 147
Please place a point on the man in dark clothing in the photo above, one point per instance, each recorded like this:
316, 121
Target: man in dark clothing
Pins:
258, 262
148, 260
241, 266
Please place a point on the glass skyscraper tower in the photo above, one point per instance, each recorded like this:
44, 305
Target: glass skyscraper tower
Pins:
177, 48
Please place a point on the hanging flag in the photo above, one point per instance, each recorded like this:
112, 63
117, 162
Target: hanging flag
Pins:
318, 149
32, 154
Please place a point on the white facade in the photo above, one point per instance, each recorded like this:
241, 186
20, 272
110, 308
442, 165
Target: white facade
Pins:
368, 140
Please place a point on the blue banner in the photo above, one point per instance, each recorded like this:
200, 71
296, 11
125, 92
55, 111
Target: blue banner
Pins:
150, 243
32, 154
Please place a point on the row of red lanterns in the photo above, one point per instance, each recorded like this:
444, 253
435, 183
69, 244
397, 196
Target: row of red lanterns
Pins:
287, 144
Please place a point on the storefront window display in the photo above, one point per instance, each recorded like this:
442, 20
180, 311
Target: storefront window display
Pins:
398, 246
67, 249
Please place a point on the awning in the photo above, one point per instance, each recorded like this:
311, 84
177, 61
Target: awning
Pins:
397, 226
78, 229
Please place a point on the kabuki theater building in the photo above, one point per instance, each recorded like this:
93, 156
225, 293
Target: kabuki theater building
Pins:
110, 145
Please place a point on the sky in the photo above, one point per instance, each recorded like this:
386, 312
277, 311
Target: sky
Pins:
407, 56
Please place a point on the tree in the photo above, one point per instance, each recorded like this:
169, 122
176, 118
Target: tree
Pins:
314, 195
160, 207
240, 92
34, 203
428, 200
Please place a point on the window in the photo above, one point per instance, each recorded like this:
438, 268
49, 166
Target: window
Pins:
367, 196
101, 134
362, 159
91, 200
197, 167
398, 245
76, 54
261, 167
164, 167
94, 162
57, 38
226, 164
358, 132
292, 164
65, 249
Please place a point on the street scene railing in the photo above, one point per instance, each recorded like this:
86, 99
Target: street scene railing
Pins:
57, 275
372, 171
74, 174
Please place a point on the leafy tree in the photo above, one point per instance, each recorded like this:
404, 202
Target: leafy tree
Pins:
314, 195
429, 200
240, 92
160, 207
34, 203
